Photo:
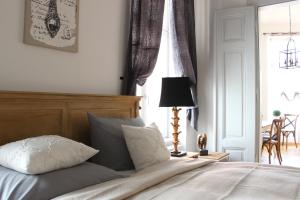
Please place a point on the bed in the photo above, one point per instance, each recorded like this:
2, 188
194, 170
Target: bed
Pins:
193, 179
25, 114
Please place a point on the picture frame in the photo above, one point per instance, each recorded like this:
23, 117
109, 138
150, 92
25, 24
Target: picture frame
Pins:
52, 24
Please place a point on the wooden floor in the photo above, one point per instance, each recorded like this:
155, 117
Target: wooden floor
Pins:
290, 157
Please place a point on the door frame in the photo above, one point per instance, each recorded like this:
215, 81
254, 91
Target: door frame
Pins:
261, 3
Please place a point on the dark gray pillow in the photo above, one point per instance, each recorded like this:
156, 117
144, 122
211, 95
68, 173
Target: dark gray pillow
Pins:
17, 186
107, 136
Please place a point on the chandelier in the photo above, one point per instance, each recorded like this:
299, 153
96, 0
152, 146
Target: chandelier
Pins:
288, 58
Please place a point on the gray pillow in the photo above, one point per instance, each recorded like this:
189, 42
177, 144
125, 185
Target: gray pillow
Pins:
107, 136
17, 186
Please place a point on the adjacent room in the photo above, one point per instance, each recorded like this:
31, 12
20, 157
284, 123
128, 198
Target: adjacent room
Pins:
149, 99
279, 42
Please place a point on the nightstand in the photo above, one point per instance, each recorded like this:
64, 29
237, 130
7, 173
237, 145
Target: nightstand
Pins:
218, 156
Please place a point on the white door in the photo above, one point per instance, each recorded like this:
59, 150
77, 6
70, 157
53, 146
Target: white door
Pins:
236, 82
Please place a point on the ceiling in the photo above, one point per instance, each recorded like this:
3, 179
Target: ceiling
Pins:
279, 13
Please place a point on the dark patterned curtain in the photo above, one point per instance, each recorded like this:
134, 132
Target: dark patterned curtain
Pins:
144, 41
184, 20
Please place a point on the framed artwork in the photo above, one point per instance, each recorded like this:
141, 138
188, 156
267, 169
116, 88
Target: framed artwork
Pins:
52, 24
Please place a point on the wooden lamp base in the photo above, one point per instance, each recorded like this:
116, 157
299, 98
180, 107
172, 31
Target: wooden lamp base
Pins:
175, 125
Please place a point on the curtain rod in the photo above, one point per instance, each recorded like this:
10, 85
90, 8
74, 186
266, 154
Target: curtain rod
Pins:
281, 33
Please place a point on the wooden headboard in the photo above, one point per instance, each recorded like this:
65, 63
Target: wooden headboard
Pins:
28, 114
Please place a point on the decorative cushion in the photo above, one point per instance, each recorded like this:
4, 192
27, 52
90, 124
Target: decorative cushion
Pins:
44, 154
146, 145
107, 136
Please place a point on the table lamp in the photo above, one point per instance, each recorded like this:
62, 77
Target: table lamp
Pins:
176, 92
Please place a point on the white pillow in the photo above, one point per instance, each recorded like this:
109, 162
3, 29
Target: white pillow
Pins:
145, 145
44, 154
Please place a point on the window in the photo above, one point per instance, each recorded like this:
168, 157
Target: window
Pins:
168, 65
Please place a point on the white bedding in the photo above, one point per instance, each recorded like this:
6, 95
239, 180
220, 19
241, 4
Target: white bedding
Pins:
187, 179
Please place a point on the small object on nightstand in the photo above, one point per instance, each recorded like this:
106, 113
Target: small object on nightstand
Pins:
201, 141
195, 155
203, 152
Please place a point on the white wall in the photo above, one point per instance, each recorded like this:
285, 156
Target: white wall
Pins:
96, 68
205, 90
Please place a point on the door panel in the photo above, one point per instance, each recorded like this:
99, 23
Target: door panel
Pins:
236, 79
233, 77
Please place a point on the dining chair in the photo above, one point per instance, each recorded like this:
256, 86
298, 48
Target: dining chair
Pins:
288, 128
271, 139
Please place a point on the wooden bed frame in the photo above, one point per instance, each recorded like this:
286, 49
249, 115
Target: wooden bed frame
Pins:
29, 114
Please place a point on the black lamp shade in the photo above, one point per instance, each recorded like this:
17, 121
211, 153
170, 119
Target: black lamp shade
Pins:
176, 91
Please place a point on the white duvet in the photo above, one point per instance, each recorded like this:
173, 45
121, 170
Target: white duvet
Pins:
189, 179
